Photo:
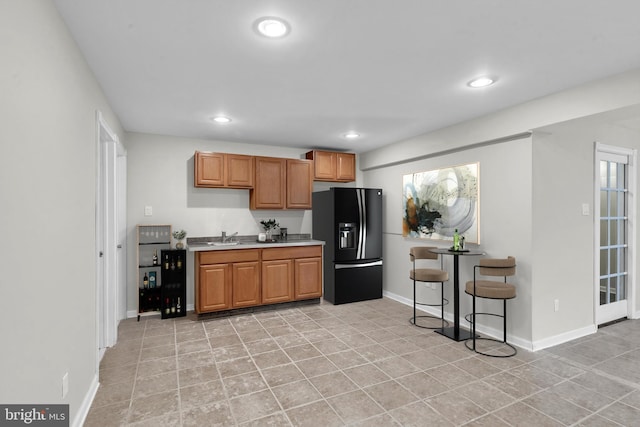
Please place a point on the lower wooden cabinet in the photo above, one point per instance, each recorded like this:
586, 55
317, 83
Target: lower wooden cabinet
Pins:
308, 278
214, 287
219, 273
277, 281
245, 288
238, 278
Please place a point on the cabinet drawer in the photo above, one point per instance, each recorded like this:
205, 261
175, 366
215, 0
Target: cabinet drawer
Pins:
222, 257
291, 253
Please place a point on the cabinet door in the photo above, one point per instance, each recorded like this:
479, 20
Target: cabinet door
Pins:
325, 165
299, 183
346, 171
270, 185
308, 278
246, 284
240, 170
214, 287
277, 281
208, 169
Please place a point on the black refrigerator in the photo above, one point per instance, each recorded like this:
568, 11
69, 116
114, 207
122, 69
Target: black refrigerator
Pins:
349, 220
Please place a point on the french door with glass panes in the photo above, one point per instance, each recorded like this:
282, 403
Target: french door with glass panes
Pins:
613, 265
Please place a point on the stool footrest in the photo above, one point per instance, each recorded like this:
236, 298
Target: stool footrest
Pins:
443, 323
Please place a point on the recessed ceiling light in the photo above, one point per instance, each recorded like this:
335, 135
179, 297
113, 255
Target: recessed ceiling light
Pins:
272, 27
222, 119
352, 135
483, 81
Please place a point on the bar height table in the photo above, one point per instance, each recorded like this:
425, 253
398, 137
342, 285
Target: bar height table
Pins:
454, 332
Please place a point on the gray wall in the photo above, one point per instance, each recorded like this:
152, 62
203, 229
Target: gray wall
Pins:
531, 194
563, 241
47, 187
505, 223
160, 175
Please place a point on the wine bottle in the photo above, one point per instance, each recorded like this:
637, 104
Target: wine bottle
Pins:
173, 264
166, 261
145, 281
456, 240
179, 263
173, 306
178, 306
167, 308
155, 258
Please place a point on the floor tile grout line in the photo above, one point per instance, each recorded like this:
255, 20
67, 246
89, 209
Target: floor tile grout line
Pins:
175, 339
224, 388
260, 372
322, 397
585, 370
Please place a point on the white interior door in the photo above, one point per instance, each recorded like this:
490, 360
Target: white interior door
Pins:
106, 237
121, 226
615, 214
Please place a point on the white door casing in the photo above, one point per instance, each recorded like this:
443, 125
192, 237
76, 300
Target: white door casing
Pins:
109, 234
615, 219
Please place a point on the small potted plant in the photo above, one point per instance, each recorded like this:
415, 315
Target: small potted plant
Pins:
269, 225
179, 236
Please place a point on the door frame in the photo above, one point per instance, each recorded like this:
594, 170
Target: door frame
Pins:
631, 289
106, 237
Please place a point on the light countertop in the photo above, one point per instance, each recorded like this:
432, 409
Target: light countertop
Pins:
204, 245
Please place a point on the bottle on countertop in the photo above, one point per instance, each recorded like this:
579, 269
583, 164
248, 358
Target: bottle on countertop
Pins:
456, 240
155, 258
145, 281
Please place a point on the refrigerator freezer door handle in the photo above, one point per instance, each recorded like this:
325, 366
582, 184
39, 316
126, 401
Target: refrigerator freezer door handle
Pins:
362, 217
366, 264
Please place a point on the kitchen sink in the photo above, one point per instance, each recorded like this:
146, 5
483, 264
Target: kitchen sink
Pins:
222, 243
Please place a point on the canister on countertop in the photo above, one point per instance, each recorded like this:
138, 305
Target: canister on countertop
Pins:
283, 233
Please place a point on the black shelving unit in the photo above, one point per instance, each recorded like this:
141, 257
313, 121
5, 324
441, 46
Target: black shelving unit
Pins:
152, 239
173, 292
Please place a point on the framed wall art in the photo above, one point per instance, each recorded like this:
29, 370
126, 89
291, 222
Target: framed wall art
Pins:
437, 202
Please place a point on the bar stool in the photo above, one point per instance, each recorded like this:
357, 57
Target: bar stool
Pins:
491, 289
427, 275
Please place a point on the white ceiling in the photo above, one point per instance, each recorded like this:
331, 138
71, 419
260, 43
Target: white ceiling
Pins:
388, 69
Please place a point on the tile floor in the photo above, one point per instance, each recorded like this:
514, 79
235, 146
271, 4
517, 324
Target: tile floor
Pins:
358, 364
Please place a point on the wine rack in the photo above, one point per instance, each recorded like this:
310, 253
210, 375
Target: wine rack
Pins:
173, 293
152, 239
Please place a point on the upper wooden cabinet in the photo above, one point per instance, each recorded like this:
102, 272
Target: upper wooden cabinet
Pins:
299, 183
282, 184
269, 191
223, 170
333, 166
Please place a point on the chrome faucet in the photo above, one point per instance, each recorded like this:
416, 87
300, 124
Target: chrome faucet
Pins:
226, 238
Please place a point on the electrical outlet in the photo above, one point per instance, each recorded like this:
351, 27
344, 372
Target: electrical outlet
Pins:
148, 210
65, 385
556, 305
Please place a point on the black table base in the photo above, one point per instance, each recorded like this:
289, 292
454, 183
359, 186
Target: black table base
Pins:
462, 335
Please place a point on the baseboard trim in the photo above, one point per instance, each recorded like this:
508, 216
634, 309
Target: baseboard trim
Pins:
83, 411
495, 333
564, 337
491, 332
